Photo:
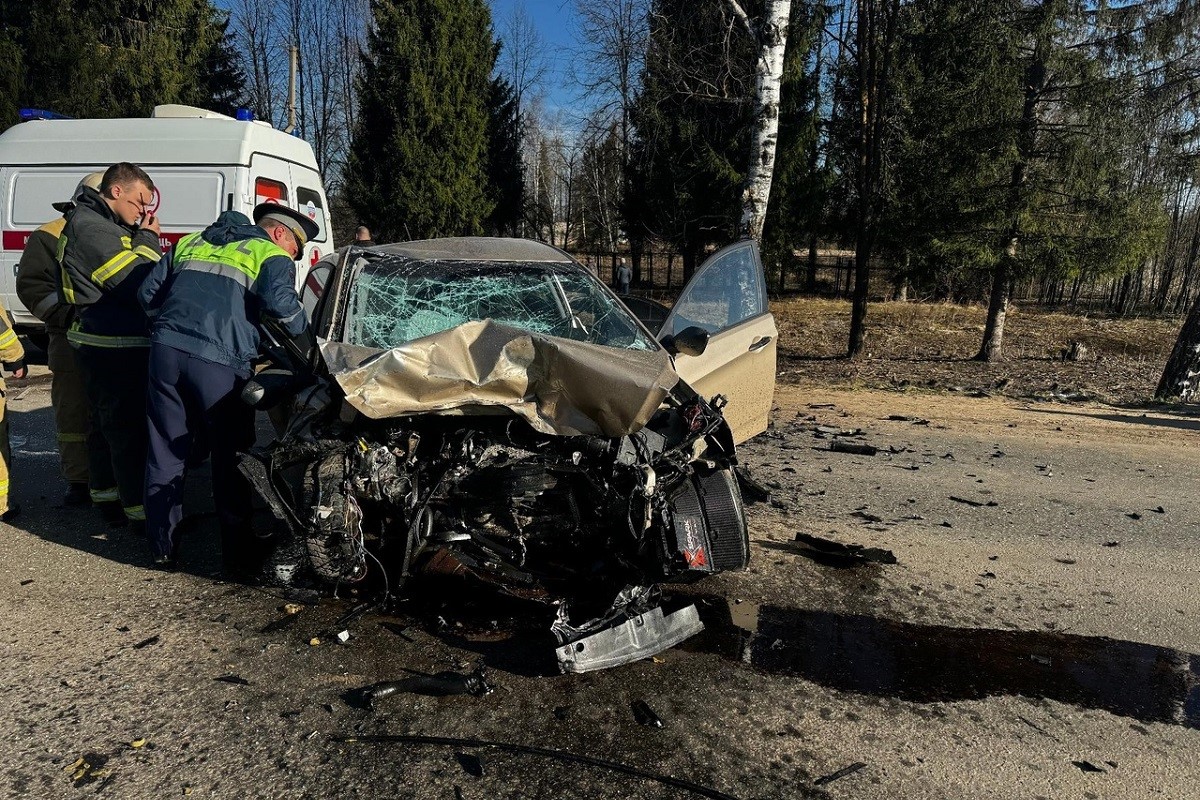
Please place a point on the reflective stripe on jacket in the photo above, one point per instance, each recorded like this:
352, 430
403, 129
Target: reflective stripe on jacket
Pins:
39, 278
12, 352
210, 294
103, 264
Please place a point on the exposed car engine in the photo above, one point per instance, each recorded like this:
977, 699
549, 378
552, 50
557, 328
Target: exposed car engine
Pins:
553, 518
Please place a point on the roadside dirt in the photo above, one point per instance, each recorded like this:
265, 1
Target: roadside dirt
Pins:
931, 346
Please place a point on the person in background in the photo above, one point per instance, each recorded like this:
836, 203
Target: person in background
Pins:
207, 302
624, 277
12, 354
38, 285
108, 245
362, 237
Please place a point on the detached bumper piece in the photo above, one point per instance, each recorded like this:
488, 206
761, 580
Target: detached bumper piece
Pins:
636, 638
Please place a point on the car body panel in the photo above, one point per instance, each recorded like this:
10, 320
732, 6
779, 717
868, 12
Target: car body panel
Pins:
727, 298
483, 366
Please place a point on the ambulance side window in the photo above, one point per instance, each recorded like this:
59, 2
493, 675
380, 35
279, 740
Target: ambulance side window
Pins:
308, 201
267, 190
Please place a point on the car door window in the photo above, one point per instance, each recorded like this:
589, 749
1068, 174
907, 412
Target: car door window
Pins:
727, 291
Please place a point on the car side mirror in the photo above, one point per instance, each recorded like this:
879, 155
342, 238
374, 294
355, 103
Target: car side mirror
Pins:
691, 341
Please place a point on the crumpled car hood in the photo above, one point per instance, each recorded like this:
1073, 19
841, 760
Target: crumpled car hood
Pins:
561, 387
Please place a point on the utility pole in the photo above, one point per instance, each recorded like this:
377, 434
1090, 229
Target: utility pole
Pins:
292, 70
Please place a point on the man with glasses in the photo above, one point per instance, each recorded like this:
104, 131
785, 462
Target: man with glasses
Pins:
206, 302
108, 245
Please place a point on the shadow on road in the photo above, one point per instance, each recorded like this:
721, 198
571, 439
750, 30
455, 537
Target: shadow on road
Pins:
38, 487
932, 663
1157, 419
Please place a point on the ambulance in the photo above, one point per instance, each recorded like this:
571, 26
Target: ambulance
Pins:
202, 163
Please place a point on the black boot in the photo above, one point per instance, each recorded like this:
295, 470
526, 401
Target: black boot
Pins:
77, 495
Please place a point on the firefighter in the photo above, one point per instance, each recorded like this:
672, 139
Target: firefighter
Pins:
12, 354
206, 302
82, 453
109, 243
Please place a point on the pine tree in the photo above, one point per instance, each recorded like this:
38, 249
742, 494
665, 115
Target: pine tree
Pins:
692, 118
87, 58
506, 183
419, 153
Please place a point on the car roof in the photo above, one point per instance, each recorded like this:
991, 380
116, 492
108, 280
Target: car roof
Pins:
476, 248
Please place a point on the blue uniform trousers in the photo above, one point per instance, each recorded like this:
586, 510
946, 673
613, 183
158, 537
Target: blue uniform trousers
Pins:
190, 397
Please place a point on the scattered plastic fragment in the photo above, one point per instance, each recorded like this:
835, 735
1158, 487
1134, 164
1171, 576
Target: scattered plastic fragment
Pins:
443, 684
314, 642
237, 680
137, 743
974, 503
292, 608
146, 643
471, 764
353, 614
753, 490
836, 554
841, 773
853, 448
645, 715
343, 636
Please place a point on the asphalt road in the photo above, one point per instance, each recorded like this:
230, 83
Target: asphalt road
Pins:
1033, 640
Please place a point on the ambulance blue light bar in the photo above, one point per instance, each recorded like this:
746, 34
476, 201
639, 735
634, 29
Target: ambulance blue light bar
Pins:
245, 115
26, 114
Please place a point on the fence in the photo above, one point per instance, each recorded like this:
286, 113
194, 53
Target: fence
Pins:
832, 276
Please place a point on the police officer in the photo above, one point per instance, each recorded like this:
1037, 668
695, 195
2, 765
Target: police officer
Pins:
109, 244
206, 302
83, 455
12, 354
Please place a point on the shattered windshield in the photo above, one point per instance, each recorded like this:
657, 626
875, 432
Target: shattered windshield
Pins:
396, 301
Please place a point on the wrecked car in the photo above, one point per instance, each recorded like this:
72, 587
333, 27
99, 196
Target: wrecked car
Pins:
488, 408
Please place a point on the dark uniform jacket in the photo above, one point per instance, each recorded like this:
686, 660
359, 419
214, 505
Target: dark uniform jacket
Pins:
209, 295
39, 278
103, 263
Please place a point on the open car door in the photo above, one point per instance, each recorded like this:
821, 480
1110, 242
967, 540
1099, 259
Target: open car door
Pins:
727, 297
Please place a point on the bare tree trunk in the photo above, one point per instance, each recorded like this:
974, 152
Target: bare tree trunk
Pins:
993, 333
875, 34
772, 31
1179, 377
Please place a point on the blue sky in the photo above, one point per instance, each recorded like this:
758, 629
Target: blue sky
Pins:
553, 20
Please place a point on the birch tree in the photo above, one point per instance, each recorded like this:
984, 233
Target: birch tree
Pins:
770, 31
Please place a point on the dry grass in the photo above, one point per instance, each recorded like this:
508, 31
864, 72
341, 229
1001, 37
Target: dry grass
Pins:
931, 345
